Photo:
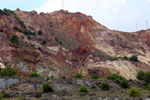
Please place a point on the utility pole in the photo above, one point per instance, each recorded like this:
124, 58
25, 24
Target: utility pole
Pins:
62, 4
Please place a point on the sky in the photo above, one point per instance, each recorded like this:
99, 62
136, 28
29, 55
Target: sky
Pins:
123, 15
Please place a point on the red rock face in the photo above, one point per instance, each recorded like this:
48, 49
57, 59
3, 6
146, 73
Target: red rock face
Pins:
77, 37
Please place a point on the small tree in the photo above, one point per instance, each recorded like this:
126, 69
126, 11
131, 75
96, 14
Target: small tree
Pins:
14, 39
83, 89
140, 75
35, 74
147, 77
78, 75
40, 32
134, 58
44, 41
134, 92
124, 84
47, 88
105, 86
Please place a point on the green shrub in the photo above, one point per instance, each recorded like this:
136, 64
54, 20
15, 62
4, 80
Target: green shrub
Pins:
19, 21
1, 96
40, 32
124, 84
147, 77
93, 87
95, 76
44, 41
78, 75
134, 58
134, 92
8, 72
119, 80
14, 39
140, 75
47, 88
28, 37
105, 86
83, 89
59, 41
148, 87
51, 76
6, 12
18, 9
35, 74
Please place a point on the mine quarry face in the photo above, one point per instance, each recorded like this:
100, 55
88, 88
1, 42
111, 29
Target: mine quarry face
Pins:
62, 43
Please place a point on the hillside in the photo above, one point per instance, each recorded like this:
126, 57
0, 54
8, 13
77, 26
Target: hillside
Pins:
63, 44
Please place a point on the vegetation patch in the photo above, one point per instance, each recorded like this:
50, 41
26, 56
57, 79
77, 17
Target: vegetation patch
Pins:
134, 92
35, 74
47, 88
59, 41
145, 77
8, 72
105, 86
132, 58
95, 76
78, 76
6, 12
119, 80
40, 32
14, 39
83, 89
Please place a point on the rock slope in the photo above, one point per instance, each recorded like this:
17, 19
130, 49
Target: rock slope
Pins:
70, 43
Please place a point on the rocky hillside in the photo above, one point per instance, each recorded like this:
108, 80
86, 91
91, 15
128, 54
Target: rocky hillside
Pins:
63, 44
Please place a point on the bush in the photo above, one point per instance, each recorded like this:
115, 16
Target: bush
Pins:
59, 41
1, 96
147, 77
78, 75
40, 32
134, 58
93, 87
105, 86
35, 74
18, 9
83, 89
119, 80
6, 12
8, 72
134, 92
124, 84
95, 76
44, 41
51, 76
140, 75
47, 88
14, 39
